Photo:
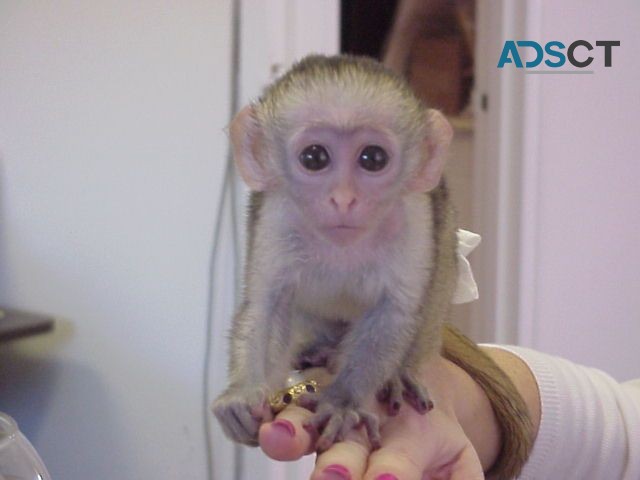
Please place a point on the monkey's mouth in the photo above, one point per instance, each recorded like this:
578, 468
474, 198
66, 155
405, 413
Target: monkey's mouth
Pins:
343, 233
345, 227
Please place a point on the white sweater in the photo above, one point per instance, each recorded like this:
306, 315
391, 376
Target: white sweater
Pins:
590, 424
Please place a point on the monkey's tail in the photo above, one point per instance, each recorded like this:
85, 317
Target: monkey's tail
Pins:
508, 405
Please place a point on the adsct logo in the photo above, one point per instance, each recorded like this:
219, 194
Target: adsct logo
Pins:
580, 55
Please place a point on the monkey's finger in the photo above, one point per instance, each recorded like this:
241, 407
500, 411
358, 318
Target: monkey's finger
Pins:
238, 423
383, 394
395, 396
372, 427
350, 421
346, 459
415, 394
330, 432
308, 401
285, 438
318, 420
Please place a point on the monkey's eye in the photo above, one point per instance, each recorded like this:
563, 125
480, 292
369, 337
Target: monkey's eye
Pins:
314, 158
373, 158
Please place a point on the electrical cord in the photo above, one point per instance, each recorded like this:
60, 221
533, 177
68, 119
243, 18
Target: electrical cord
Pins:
228, 188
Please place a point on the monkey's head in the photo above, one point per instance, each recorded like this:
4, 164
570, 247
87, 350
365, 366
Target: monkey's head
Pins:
344, 140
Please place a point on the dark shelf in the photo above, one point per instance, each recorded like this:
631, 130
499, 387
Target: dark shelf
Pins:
17, 324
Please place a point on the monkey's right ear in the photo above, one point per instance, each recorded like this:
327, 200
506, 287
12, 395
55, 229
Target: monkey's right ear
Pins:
246, 138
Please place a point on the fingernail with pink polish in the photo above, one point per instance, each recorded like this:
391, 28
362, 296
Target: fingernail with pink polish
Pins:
386, 476
285, 426
335, 472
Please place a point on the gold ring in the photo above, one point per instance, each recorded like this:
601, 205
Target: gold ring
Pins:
279, 400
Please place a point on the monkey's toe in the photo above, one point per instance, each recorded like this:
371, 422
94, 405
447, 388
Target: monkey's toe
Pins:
415, 394
393, 396
314, 356
308, 401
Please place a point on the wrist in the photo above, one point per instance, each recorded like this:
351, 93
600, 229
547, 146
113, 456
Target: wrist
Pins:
523, 379
473, 408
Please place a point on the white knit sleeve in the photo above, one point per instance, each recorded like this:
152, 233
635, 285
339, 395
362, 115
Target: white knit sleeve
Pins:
590, 424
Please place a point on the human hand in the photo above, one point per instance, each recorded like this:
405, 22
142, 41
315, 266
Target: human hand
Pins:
434, 446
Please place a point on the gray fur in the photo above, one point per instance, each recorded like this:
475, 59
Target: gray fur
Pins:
382, 317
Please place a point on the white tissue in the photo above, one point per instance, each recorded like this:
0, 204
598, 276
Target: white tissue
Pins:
466, 287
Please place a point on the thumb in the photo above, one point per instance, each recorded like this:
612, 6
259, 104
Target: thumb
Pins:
467, 466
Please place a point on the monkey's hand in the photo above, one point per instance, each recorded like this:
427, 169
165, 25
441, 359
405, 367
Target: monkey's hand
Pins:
404, 385
334, 421
241, 411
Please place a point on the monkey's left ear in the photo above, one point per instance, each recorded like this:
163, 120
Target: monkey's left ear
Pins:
437, 141
246, 139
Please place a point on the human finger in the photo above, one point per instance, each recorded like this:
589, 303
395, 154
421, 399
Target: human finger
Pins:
284, 439
346, 460
402, 455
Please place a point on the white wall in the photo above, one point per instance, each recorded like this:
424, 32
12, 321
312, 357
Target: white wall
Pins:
555, 190
111, 153
111, 161
583, 205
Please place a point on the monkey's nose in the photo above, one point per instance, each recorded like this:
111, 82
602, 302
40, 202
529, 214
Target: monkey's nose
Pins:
343, 200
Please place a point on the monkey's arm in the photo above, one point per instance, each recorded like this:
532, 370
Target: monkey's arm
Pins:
436, 305
371, 352
258, 338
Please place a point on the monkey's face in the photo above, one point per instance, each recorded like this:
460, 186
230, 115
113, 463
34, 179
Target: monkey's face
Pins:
344, 146
344, 177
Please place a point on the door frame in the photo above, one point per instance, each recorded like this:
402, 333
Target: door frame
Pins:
505, 190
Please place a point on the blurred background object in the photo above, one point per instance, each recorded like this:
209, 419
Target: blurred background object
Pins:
18, 324
18, 459
431, 42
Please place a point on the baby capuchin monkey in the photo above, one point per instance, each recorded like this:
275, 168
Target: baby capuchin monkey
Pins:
352, 245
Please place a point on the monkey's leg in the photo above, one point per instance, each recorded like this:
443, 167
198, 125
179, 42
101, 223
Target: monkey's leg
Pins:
404, 383
372, 351
404, 386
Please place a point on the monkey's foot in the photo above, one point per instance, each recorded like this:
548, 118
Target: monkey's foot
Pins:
335, 423
315, 356
241, 412
405, 386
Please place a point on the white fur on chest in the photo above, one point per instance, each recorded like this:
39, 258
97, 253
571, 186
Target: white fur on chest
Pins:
341, 283
338, 294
